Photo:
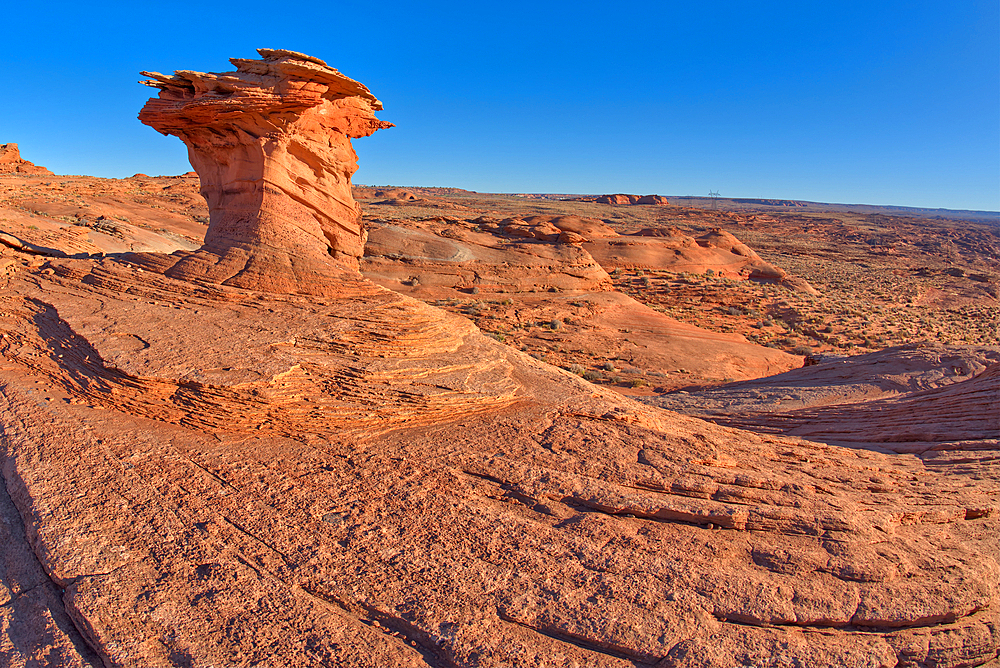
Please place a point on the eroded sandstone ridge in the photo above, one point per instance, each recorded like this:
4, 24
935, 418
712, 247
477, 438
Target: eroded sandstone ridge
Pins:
271, 143
11, 162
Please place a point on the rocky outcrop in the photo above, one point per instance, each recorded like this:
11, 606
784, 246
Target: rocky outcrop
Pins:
617, 199
12, 163
487, 254
212, 474
271, 144
669, 249
655, 200
622, 199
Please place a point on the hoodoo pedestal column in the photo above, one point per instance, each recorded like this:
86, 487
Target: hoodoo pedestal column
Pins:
271, 143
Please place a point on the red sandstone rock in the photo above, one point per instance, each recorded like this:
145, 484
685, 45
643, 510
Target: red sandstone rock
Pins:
591, 228
271, 144
214, 475
670, 249
12, 163
652, 199
616, 199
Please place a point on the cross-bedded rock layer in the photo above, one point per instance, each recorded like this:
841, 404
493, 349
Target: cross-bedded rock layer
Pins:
271, 144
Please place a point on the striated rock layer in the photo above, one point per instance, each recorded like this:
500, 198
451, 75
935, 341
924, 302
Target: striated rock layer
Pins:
271, 145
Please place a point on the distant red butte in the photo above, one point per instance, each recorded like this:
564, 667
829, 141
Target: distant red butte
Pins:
622, 199
12, 163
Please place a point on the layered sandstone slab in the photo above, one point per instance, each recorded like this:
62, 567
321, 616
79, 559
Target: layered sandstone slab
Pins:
271, 145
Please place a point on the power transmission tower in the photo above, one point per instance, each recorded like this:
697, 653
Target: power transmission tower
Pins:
715, 198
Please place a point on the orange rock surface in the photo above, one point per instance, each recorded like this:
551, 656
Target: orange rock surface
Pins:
312, 469
12, 163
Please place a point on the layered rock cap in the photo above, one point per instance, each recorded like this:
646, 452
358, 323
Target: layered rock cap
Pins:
271, 143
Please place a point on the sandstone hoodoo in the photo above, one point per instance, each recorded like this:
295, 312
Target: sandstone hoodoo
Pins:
271, 143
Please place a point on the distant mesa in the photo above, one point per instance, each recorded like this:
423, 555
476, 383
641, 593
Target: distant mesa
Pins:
651, 199
12, 163
271, 143
769, 202
622, 199
617, 199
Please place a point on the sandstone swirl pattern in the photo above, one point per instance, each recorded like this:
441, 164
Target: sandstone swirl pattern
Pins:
220, 459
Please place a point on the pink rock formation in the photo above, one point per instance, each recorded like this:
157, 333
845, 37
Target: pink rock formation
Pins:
12, 163
271, 143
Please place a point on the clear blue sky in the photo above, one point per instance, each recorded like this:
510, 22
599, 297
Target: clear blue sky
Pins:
877, 102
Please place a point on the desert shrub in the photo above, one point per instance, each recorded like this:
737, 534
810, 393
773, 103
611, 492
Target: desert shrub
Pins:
577, 369
802, 350
592, 375
608, 366
638, 382
555, 323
